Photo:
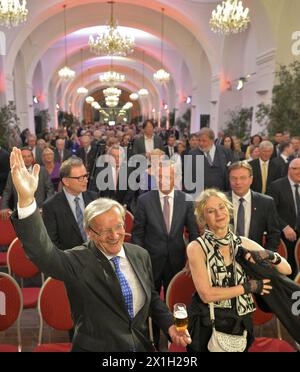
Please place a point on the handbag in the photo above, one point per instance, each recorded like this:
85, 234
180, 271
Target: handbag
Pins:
220, 341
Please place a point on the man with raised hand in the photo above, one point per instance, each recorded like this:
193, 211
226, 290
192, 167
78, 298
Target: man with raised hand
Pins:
109, 283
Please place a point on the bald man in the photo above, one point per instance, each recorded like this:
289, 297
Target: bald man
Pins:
286, 193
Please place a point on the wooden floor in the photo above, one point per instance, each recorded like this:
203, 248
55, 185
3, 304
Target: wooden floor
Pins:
30, 328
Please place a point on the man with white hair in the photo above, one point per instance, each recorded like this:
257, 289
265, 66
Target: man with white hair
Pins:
265, 171
109, 283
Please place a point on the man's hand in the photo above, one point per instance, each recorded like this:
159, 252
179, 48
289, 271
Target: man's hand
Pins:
181, 338
5, 214
24, 182
290, 234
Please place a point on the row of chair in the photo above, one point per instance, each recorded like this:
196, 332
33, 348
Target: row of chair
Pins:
53, 307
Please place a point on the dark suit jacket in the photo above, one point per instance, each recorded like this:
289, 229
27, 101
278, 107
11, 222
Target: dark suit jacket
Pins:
102, 322
149, 230
280, 163
166, 150
4, 168
66, 155
263, 219
274, 172
282, 194
221, 181
60, 222
45, 190
106, 188
139, 145
88, 160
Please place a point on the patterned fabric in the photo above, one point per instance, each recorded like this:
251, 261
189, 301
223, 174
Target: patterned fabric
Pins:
219, 275
79, 216
209, 159
125, 287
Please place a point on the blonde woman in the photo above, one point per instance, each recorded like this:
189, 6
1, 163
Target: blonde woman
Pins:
51, 167
217, 250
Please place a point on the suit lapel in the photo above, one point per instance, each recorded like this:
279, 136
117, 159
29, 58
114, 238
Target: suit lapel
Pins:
254, 206
159, 211
69, 216
289, 196
177, 211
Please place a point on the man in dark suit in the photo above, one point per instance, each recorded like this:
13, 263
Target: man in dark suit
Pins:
170, 149
4, 168
164, 239
59, 212
148, 142
87, 153
264, 170
36, 150
216, 160
286, 156
254, 214
108, 282
61, 154
285, 192
112, 175
44, 190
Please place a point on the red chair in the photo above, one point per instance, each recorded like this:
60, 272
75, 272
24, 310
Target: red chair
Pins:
297, 279
128, 222
54, 309
13, 305
282, 250
266, 344
7, 235
180, 290
127, 238
297, 254
20, 265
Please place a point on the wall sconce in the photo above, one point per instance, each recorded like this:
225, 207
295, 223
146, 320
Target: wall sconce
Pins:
241, 83
36, 100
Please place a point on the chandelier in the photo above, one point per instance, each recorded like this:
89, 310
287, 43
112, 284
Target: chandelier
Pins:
229, 18
112, 101
66, 73
161, 76
143, 92
134, 96
112, 78
82, 90
111, 42
96, 105
112, 91
89, 100
12, 12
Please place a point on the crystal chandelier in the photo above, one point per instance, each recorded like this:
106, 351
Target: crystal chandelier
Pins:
112, 101
143, 92
82, 90
96, 105
161, 76
89, 100
111, 42
12, 12
230, 18
112, 78
134, 96
66, 73
112, 91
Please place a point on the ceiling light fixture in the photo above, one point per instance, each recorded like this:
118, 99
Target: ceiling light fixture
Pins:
111, 42
230, 18
12, 12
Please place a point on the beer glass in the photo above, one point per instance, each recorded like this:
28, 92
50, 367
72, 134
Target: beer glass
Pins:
180, 317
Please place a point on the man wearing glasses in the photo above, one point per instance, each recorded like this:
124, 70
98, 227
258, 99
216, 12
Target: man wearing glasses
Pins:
109, 283
63, 213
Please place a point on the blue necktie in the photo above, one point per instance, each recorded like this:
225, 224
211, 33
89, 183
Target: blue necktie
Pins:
125, 288
79, 216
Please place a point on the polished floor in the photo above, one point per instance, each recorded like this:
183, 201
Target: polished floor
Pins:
30, 328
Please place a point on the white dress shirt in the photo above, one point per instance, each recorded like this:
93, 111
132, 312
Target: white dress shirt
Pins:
171, 203
149, 144
138, 293
247, 207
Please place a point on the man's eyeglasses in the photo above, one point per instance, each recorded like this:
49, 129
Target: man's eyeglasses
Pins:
80, 178
119, 229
